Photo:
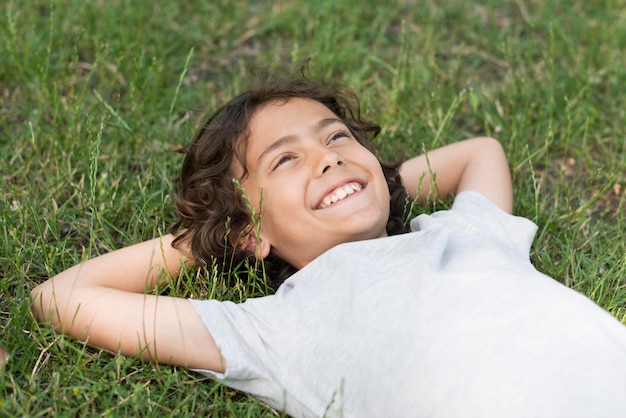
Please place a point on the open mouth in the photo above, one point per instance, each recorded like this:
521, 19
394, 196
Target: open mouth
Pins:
340, 193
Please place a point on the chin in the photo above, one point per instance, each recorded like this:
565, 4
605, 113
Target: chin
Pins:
372, 228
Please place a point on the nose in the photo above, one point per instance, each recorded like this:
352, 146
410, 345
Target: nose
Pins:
329, 159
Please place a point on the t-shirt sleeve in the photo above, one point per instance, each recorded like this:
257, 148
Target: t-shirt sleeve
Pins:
251, 364
475, 216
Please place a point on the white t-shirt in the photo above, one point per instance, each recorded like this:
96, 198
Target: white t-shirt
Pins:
451, 320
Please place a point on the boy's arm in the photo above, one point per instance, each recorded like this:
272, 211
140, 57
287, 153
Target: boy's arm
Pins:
477, 164
103, 302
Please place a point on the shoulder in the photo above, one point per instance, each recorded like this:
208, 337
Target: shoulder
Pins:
478, 209
473, 215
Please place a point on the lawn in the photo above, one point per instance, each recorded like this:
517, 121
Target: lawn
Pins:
97, 97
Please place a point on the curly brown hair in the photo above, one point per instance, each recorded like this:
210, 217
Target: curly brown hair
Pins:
212, 212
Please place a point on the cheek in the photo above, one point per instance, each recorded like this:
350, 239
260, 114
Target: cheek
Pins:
371, 161
281, 203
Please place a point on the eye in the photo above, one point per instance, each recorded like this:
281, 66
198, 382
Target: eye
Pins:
285, 158
339, 135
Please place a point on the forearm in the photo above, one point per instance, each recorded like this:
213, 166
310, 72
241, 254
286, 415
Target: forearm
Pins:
477, 164
136, 269
104, 302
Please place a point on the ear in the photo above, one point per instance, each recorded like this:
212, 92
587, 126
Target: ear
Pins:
256, 244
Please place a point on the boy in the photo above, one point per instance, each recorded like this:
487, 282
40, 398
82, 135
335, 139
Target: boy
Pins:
450, 320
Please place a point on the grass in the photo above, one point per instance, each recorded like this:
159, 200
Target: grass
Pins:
96, 97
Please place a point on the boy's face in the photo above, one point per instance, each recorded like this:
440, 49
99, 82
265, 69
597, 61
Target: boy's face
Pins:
320, 186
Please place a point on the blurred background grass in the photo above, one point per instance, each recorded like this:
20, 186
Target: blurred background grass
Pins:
96, 97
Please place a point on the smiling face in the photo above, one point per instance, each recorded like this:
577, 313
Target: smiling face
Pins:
320, 186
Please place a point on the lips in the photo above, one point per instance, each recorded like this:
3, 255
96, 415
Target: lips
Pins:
340, 193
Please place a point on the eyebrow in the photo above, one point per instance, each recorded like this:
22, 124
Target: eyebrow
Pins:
292, 138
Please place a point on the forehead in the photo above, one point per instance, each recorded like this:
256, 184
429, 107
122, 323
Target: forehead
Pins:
281, 118
287, 114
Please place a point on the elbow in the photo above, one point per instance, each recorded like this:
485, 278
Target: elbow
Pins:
36, 299
489, 143
40, 298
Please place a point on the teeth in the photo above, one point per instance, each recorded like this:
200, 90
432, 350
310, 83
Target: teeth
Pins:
340, 193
